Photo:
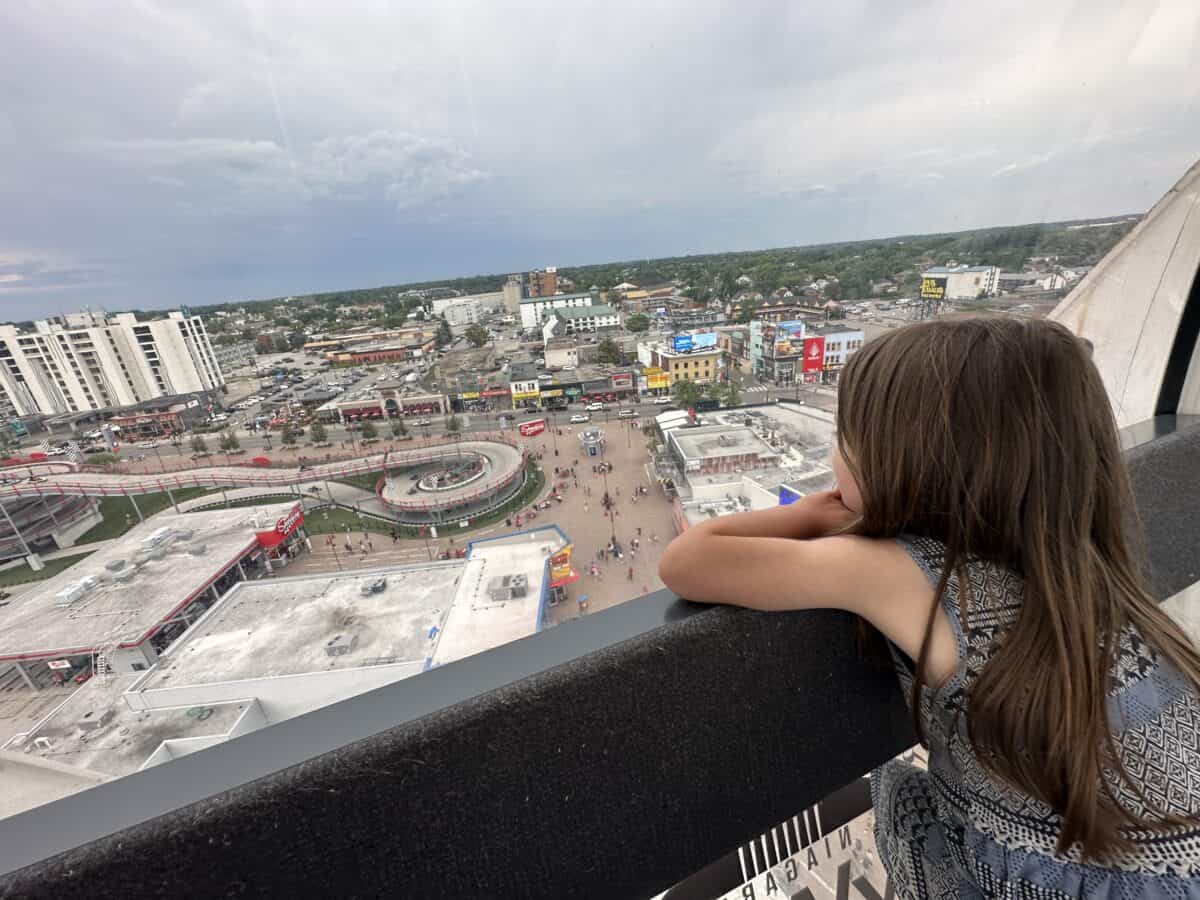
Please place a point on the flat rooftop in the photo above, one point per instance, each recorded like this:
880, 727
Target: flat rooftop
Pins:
127, 737
478, 621
714, 441
163, 581
425, 614
281, 626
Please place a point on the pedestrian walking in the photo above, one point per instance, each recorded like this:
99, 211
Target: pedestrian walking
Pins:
585, 509
631, 573
639, 531
370, 545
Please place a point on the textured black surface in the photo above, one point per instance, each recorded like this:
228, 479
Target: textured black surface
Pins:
613, 774
1166, 482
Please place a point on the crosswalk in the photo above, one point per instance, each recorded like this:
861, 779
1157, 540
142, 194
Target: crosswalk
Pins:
755, 388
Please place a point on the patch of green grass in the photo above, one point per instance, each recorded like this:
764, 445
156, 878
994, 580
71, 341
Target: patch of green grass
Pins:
23, 574
119, 516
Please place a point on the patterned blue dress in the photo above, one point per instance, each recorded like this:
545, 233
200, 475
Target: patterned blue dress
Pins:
956, 832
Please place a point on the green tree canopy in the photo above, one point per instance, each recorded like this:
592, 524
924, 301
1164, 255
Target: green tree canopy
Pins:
444, 336
199, 445
477, 335
686, 393
638, 322
607, 351
369, 431
317, 433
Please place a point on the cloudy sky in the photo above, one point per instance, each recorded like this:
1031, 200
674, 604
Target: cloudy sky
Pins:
155, 152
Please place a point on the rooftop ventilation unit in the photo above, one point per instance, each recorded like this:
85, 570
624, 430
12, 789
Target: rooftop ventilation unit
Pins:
341, 644
198, 549
115, 565
90, 724
125, 575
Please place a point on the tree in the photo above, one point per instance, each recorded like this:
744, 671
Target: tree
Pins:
686, 393
288, 438
399, 429
607, 351
444, 336
317, 433
296, 340
747, 310
638, 322
199, 445
454, 426
732, 395
477, 335
369, 431
229, 442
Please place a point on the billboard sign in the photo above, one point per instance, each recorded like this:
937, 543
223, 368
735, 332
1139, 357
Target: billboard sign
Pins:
622, 381
284, 526
703, 340
788, 338
656, 378
682, 343
532, 428
933, 288
814, 354
560, 566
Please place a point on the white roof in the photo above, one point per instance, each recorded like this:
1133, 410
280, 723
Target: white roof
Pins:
37, 623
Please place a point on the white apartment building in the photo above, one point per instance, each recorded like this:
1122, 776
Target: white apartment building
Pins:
577, 319
460, 310
535, 309
93, 360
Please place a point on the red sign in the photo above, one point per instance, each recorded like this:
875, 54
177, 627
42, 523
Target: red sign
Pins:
284, 526
814, 354
532, 428
498, 392
622, 381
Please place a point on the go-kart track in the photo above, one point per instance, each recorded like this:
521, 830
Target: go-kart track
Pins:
473, 472
503, 459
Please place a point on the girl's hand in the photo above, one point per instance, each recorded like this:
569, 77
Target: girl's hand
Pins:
823, 514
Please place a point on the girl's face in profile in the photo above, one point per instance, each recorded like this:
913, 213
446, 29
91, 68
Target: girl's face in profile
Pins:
851, 497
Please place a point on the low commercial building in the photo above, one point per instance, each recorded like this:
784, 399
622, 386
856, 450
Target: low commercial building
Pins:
414, 346
744, 458
701, 366
115, 610
383, 404
561, 352
278, 648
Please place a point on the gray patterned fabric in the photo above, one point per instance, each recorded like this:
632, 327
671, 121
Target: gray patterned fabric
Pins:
953, 831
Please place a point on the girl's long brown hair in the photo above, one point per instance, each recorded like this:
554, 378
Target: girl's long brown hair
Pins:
995, 436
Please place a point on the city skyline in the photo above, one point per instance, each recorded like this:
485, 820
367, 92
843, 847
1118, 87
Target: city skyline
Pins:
196, 157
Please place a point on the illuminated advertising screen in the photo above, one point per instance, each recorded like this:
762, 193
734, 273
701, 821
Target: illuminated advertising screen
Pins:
814, 354
682, 343
704, 340
933, 288
788, 338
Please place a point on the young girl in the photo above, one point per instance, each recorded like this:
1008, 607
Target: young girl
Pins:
980, 523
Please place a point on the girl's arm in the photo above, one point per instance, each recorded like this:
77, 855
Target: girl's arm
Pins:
777, 560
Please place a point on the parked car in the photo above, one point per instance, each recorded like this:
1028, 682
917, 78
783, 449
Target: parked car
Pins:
580, 418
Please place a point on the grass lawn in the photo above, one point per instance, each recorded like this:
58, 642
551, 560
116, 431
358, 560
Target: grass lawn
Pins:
262, 499
365, 480
23, 574
114, 510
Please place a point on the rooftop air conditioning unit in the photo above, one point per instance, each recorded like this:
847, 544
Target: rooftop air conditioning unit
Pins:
68, 595
125, 575
198, 549
90, 724
341, 644
115, 565
184, 534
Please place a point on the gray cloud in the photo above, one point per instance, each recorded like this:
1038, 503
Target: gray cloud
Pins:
236, 148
